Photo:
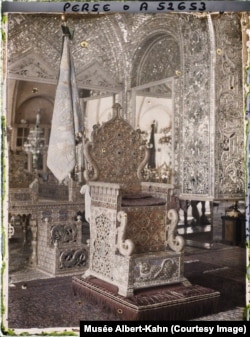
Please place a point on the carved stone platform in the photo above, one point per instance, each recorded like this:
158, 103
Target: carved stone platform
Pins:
171, 302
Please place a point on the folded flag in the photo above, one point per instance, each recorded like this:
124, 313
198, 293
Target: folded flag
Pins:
66, 119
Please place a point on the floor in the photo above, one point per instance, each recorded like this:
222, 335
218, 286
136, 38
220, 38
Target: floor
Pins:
221, 267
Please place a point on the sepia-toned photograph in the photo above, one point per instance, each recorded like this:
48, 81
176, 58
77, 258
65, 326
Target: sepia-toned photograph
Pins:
125, 167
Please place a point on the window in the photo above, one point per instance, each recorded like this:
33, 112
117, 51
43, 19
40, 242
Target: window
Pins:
22, 134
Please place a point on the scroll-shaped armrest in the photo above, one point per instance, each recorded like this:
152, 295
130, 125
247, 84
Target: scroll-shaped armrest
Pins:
174, 241
125, 247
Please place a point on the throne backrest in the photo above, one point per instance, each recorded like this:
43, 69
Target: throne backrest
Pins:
116, 153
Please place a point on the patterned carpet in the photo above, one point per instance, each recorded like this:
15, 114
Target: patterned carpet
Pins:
51, 303
39, 301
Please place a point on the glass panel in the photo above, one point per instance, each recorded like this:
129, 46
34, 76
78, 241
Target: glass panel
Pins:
154, 106
19, 142
19, 132
26, 132
39, 161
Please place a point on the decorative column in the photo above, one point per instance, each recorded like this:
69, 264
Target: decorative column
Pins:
23, 219
33, 258
71, 188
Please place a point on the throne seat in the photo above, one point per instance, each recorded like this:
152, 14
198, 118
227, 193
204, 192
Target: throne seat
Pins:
142, 199
133, 241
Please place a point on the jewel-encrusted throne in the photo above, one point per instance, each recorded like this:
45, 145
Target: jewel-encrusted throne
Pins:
133, 241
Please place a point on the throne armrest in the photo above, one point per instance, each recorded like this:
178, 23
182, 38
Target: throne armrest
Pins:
104, 194
158, 190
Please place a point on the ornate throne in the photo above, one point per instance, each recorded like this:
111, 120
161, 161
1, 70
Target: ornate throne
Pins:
133, 241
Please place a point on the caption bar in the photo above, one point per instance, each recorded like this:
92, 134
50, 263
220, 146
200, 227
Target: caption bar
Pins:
177, 328
126, 6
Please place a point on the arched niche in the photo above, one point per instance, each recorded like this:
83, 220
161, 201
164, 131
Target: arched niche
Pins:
153, 105
157, 57
154, 82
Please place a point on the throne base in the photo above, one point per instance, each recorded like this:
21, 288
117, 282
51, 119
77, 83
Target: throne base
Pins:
138, 271
169, 302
